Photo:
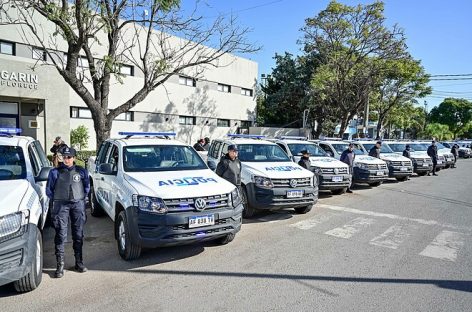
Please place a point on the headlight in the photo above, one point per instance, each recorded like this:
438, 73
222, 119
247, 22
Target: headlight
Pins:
236, 197
263, 182
11, 224
150, 204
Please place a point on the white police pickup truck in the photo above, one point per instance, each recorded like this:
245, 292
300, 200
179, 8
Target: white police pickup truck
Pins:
24, 169
269, 178
159, 192
331, 173
422, 163
367, 169
399, 167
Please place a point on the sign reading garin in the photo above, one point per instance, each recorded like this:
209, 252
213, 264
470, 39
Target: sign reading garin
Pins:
18, 80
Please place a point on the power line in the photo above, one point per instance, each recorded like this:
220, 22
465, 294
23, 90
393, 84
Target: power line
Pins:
247, 9
438, 79
450, 75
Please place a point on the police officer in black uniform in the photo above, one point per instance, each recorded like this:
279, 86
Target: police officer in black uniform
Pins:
305, 160
433, 153
375, 150
68, 187
407, 151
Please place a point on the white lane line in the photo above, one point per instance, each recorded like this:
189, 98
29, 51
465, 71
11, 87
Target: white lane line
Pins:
350, 228
392, 237
392, 216
314, 221
445, 246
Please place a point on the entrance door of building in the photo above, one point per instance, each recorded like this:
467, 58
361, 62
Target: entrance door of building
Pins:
9, 115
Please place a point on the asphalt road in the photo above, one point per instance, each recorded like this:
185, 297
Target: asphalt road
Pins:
398, 247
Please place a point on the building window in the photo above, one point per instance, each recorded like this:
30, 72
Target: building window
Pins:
127, 70
82, 62
245, 124
128, 116
247, 92
191, 82
222, 122
79, 112
7, 47
224, 88
39, 54
187, 120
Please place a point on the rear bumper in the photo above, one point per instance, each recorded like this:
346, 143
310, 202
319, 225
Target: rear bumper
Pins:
150, 230
16, 255
276, 198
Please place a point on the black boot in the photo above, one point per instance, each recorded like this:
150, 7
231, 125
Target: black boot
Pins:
79, 264
60, 267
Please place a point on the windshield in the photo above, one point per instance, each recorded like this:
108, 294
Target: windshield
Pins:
440, 146
341, 147
12, 163
397, 147
384, 148
419, 147
261, 153
313, 149
161, 158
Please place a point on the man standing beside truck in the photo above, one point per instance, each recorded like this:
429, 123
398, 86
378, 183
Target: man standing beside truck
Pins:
347, 157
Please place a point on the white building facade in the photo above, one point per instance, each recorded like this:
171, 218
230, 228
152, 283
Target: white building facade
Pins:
34, 97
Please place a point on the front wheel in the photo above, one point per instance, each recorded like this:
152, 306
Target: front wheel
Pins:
32, 280
248, 211
127, 250
303, 210
375, 183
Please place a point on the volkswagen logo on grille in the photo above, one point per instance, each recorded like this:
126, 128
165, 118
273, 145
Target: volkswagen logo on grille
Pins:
200, 204
336, 170
293, 183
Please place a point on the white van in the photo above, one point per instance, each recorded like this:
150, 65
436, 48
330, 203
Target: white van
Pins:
24, 170
270, 180
331, 173
159, 192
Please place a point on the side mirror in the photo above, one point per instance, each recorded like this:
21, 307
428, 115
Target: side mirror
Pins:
105, 169
43, 174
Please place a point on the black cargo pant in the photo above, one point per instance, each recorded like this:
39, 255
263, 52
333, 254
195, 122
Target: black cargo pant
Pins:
61, 212
435, 163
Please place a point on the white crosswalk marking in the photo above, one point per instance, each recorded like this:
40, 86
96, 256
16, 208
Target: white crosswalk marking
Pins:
392, 237
312, 222
350, 228
445, 246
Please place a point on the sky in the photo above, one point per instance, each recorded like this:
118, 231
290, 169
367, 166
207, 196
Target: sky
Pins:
438, 32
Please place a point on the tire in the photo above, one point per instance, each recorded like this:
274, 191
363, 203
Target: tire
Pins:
226, 239
32, 280
248, 211
422, 173
303, 210
339, 191
402, 178
375, 183
95, 209
127, 250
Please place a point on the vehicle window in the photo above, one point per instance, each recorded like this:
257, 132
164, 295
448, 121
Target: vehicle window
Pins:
419, 147
341, 147
397, 147
112, 157
314, 149
102, 153
440, 146
214, 152
144, 158
12, 163
384, 148
35, 164
261, 153
283, 147
327, 149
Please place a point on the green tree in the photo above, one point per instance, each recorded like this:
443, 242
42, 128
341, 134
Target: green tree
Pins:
349, 40
79, 136
455, 113
110, 33
407, 119
438, 131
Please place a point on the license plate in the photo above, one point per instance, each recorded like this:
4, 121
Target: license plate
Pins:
403, 169
198, 221
439, 162
294, 194
337, 179
380, 173
425, 165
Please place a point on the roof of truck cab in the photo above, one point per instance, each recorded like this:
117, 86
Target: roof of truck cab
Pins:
239, 141
137, 141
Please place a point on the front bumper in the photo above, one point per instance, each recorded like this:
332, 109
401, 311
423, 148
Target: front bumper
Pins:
333, 181
399, 171
369, 176
151, 230
17, 254
421, 168
276, 198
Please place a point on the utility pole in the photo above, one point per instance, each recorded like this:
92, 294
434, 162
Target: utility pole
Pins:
366, 116
425, 114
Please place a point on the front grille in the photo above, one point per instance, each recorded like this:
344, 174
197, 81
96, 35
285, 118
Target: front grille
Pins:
401, 163
304, 182
188, 204
377, 167
11, 260
342, 170
441, 158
